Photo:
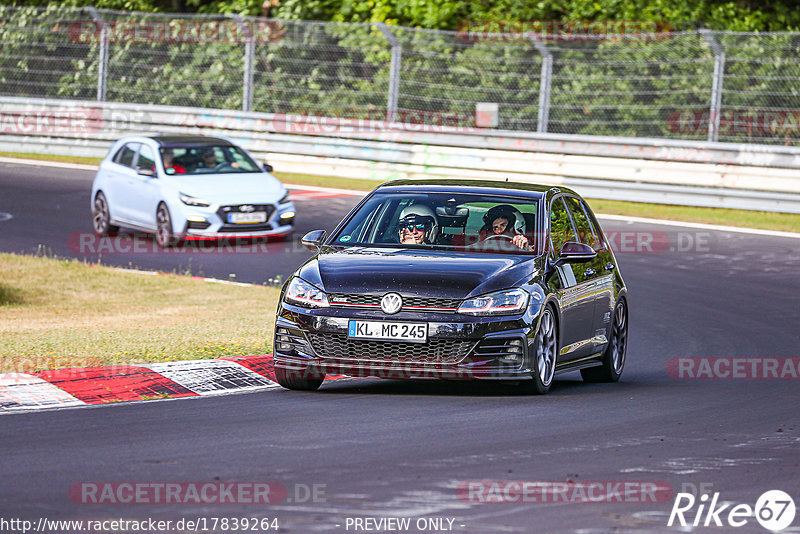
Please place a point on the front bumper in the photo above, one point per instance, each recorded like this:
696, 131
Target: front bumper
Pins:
459, 347
209, 223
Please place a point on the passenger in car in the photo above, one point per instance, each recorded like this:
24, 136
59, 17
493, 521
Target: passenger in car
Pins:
168, 157
504, 220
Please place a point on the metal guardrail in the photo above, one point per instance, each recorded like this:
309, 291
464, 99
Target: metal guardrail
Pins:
755, 177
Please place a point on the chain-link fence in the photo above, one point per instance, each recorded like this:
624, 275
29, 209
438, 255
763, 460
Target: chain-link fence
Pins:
697, 85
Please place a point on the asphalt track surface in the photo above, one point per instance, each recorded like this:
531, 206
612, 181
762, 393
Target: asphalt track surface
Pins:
401, 449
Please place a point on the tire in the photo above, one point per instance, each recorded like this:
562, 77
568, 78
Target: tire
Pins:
101, 216
545, 352
614, 355
299, 380
164, 236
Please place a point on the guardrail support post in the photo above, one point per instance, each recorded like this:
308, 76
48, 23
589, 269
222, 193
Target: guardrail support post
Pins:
394, 72
544, 85
102, 56
716, 85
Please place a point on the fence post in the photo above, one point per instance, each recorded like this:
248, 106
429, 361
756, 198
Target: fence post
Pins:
394, 71
102, 59
716, 85
249, 55
544, 85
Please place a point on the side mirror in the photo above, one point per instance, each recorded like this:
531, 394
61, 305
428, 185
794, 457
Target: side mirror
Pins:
145, 171
313, 240
572, 252
267, 167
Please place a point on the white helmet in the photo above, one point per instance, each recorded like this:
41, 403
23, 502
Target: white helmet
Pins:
420, 213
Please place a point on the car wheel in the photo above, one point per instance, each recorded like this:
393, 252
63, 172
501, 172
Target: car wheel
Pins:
614, 355
101, 217
164, 236
299, 380
545, 352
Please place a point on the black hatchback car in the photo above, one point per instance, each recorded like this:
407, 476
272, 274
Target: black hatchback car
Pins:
456, 280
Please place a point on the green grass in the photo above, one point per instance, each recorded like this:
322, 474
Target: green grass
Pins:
48, 157
61, 313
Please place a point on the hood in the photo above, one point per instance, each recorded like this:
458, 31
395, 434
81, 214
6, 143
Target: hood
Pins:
439, 274
235, 188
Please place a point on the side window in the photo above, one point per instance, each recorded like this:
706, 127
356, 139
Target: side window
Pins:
125, 154
561, 229
146, 158
586, 232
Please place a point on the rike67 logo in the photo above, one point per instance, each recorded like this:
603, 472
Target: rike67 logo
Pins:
774, 510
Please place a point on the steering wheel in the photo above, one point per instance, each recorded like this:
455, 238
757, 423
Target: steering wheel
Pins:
221, 166
497, 236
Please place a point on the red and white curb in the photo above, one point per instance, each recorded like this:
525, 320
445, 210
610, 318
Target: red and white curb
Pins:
62, 388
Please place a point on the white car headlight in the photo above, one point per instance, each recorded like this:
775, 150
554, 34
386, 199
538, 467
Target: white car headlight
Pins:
192, 201
507, 302
303, 294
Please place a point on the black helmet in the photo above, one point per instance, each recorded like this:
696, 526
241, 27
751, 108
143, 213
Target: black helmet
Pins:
508, 212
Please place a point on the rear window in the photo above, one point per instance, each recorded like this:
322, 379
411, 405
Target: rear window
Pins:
125, 154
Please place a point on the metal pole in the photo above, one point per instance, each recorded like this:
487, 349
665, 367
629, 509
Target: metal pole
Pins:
249, 55
394, 72
102, 59
716, 85
544, 85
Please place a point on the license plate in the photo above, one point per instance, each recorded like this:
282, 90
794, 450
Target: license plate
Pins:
247, 218
413, 332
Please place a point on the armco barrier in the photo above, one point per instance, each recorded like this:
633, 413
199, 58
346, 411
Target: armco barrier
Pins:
755, 177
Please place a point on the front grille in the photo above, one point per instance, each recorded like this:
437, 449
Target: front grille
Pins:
345, 300
340, 347
223, 212
508, 348
246, 228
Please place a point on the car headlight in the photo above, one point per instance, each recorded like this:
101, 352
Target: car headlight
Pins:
303, 294
284, 199
192, 201
508, 302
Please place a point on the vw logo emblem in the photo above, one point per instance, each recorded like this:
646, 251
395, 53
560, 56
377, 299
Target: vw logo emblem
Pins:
391, 303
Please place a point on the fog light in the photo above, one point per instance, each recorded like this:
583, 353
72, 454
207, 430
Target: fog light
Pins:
287, 215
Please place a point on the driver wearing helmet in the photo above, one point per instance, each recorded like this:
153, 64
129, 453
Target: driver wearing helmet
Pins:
504, 220
418, 225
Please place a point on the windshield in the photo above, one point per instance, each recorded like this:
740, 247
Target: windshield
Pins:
465, 222
207, 160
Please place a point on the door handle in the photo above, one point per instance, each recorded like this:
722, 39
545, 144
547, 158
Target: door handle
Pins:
588, 272
609, 267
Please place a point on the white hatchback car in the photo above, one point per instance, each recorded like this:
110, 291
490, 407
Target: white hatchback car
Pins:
188, 186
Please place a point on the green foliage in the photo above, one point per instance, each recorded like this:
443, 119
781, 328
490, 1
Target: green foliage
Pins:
654, 86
